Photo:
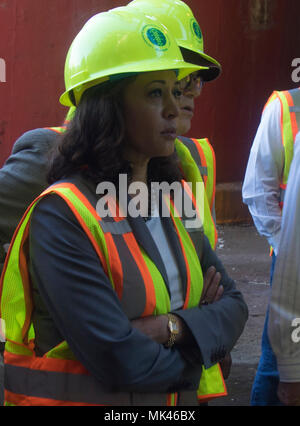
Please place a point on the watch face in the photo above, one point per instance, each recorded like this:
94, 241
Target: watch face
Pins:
173, 327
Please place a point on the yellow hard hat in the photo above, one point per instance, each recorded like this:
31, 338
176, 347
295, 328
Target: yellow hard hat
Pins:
116, 44
181, 22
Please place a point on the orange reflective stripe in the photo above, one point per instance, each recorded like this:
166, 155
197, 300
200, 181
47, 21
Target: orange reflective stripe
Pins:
134, 249
28, 401
116, 267
172, 399
58, 130
271, 98
45, 364
79, 194
115, 209
59, 379
83, 225
114, 258
202, 157
145, 273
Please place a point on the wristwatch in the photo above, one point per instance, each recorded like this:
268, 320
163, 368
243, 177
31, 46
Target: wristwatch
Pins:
173, 327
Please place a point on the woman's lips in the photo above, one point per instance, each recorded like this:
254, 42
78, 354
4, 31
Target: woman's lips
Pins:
170, 133
188, 111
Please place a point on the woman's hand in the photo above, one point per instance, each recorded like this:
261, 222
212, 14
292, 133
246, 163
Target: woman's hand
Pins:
212, 290
155, 327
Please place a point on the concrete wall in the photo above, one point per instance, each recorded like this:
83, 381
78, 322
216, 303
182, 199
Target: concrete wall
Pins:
255, 40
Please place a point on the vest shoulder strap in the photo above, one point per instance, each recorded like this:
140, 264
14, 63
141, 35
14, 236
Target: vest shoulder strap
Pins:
60, 130
290, 125
198, 156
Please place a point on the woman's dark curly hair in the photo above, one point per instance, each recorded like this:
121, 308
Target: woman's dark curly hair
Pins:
93, 143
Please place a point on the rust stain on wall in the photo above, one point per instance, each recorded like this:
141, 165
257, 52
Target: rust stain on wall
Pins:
3, 125
261, 14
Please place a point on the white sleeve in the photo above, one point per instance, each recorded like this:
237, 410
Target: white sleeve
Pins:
284, 330
261, 190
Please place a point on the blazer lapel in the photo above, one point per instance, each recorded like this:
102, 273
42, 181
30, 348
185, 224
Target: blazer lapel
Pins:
144, 238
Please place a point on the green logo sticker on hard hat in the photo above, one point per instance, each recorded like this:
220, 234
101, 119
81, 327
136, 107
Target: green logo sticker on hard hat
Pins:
196, 30
154, 37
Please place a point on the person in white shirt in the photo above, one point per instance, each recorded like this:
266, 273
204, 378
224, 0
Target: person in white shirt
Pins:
263, 191
284, 330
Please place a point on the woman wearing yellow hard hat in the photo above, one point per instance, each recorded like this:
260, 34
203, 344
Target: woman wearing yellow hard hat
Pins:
180, 20
107, 308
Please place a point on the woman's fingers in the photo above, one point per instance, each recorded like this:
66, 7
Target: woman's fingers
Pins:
212, 291
209, 275
213, 288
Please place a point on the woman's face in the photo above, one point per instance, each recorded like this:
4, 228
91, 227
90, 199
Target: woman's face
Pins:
191, 88
151, 115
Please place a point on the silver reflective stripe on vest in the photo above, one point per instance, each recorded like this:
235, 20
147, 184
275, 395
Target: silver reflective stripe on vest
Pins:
115, 228
282, 195
203, 170
295, 109
60, 386
72, 388
295, 94
190, 145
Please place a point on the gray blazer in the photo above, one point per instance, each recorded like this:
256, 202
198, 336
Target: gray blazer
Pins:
22, 179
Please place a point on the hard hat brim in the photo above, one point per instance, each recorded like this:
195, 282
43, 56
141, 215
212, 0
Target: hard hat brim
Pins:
183, 68
211, 68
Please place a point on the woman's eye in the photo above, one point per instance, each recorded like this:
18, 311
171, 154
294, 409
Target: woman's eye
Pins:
177, 93
155, 93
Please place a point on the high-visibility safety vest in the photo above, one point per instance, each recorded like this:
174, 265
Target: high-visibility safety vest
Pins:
204, 156
290, 126
58, 378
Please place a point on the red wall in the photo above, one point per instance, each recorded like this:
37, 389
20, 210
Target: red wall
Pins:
255, 40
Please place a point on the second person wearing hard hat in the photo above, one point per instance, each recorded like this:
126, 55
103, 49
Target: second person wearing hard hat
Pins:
92, 275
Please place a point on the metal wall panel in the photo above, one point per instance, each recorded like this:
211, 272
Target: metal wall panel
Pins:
255, 40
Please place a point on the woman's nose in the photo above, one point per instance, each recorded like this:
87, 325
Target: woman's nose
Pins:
193, 91
172, 108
